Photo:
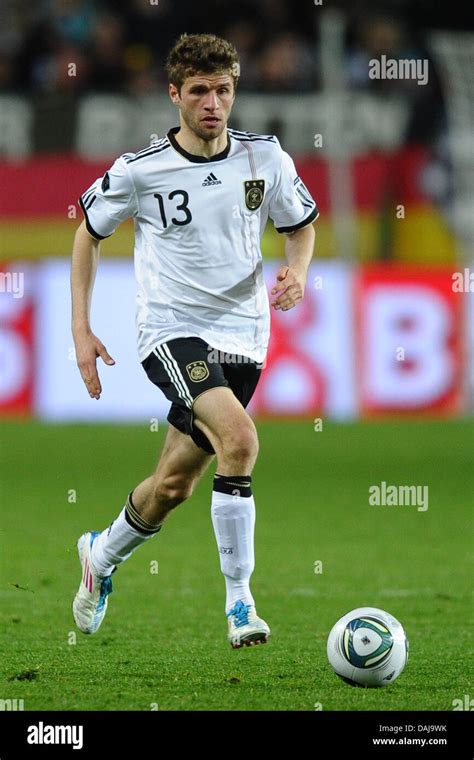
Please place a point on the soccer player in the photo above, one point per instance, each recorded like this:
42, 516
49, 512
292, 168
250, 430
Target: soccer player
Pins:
200, 199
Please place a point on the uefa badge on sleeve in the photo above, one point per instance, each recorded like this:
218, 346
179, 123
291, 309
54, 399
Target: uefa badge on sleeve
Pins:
254, 193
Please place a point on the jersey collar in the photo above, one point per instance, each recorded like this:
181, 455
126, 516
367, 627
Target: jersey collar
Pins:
190, 156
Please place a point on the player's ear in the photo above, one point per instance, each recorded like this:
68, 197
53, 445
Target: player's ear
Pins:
173, 93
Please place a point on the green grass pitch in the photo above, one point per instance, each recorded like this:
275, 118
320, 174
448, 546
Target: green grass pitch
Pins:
163, 642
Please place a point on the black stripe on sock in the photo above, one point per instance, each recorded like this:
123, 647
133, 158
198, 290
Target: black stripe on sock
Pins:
234, 485
135, 520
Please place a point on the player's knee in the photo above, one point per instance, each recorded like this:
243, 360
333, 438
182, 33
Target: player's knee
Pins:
173, 490
241, 444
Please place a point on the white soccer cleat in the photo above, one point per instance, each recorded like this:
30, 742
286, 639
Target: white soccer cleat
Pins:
90, 603
245, 628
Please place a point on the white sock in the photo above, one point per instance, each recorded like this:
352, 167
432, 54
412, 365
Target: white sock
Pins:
233, 518
116, 543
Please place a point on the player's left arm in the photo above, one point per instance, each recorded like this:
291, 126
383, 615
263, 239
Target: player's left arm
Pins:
293, 210
291, 277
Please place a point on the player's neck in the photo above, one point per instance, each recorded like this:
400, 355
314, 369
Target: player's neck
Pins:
192, 143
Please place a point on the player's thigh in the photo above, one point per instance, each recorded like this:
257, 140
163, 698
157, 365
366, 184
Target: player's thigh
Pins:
223, 419
181, 462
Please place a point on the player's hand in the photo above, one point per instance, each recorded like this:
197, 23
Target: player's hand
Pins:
88, 348
289, 289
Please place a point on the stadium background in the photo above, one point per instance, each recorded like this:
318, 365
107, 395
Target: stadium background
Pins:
369, 379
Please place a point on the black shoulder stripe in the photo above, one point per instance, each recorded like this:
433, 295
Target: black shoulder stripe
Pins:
242, 132
85, 196
89, 227
152, 146
144, 154
247, 134
239, 135
90, 202
306, 204
149, 152
304, 196
270, 138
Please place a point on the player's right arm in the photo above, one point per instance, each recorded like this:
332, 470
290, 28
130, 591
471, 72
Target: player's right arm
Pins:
108, 202
85, 257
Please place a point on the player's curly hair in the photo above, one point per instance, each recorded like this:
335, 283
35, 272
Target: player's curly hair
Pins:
201, 54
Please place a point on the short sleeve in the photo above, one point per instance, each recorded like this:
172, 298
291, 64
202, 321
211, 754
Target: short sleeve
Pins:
291, 205
109, 201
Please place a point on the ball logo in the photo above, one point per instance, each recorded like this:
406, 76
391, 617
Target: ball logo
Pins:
197, 371
367, 642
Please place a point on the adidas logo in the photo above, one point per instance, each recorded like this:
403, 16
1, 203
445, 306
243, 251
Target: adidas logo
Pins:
211, 179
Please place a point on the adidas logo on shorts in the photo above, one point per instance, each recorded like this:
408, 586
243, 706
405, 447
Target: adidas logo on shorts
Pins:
211, 179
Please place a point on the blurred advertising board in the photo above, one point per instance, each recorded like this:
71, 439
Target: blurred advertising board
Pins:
366, 341
410, 340
18, 310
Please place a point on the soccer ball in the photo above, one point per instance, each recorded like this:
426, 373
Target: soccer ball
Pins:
368, 647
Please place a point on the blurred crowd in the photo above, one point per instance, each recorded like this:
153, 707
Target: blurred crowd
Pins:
54, 50
120, 45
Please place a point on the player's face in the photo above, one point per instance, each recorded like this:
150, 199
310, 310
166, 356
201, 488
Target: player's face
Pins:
206, 102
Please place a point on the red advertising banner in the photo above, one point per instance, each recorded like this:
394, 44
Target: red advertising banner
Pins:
309, 367
409, 340
382, 340
17, 341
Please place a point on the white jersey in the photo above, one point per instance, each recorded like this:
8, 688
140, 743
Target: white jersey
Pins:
198, 227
